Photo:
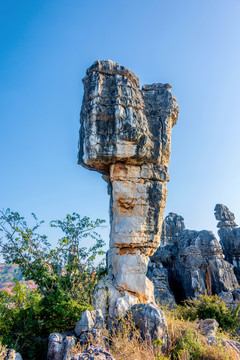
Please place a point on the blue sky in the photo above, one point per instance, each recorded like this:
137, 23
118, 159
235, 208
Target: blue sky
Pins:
45, 48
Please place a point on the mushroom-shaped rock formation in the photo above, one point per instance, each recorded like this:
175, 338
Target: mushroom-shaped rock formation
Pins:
125, 134
229, 235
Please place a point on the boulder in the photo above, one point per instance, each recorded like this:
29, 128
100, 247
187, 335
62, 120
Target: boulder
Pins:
151, 322
208, 327
93, 353
59, 346
90, 319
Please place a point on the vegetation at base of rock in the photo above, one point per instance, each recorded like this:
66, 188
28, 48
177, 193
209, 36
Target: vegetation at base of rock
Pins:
209, 307
185, 342
65, 277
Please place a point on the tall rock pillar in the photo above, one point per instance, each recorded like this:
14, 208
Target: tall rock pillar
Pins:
125, 134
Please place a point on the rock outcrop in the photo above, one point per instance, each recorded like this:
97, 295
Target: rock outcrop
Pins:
208, 328
151, 322
126, 135
172, 225
194, 261
229, 235
60, 345
159, 277
93, 353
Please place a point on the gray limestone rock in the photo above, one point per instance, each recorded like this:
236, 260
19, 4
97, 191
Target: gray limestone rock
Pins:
93, 353
172, 225
208, 327
229, 235
59, 346
151, 322
223, 214
229, 299
194, 261
159, 277
90, 319
125, 134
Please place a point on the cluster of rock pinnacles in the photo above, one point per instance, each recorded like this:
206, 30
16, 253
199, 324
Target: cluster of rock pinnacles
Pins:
189, 263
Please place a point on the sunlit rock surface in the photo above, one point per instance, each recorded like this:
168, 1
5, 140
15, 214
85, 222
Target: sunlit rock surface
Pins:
229, 235
194, 262
125, 134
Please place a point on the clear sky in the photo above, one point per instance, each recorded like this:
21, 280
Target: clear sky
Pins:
45, 48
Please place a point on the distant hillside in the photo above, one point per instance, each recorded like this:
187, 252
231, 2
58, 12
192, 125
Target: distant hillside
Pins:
9, 273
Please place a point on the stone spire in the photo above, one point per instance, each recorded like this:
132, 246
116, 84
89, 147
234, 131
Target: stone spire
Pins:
172, 225
229, 235
224, 216
125, 134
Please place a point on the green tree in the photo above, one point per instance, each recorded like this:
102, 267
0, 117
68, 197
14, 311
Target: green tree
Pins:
65, 276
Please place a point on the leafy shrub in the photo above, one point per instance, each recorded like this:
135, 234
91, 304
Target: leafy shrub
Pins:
209, 307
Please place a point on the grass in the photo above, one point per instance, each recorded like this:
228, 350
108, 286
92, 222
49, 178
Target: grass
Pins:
185, 342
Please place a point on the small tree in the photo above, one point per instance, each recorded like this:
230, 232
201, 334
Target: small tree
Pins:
65, 276
68, 268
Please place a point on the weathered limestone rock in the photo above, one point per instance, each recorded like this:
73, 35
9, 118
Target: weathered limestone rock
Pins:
172, 225
195, 263
208, 327
93, 353
229, 235
59, 346
126, 135
159, 277
90, 319
151, 322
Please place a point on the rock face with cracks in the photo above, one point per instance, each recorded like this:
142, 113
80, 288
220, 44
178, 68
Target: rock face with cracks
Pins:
193, 262
229, 235
125, 134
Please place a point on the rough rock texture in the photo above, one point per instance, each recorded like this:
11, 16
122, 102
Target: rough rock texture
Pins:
13, 355
93, 353
59, 346
229, 235
159, 277
195, 263
172, 225
208, 327
126, 135
151, 322
90, 319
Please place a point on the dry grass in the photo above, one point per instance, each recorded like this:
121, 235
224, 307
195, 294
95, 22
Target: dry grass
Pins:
3, 351
125, 343
186, 343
